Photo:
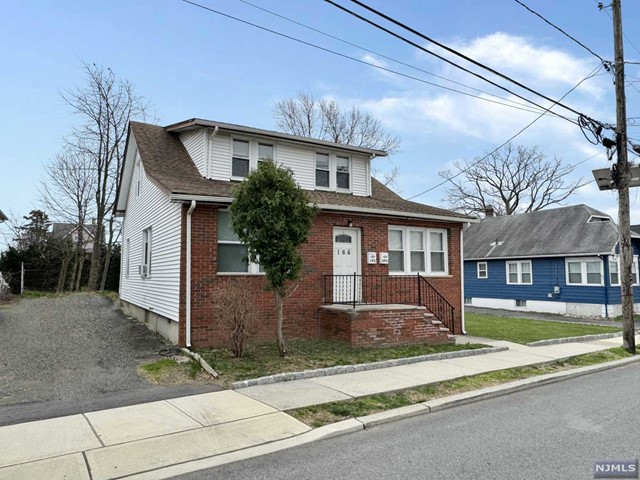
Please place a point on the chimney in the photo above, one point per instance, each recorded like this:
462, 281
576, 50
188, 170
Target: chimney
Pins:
488, 211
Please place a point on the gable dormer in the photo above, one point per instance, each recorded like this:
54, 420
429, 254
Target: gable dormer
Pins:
229, 152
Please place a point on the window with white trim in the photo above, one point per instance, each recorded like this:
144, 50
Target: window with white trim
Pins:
417, 250
139, 178
483, 271
343, 181
614, 270
519, 273
265, 152
584, 271
145, 266
127, 247
322, 170
240, 158
232, 253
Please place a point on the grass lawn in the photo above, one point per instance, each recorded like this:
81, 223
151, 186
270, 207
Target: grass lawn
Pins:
319, 415
309, 354
520, 330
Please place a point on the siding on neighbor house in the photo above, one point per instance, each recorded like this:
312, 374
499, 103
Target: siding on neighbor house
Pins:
194, 142
300, 159
159, 292
547, 273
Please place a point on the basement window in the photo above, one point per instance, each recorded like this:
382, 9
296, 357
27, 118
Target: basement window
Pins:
521, 303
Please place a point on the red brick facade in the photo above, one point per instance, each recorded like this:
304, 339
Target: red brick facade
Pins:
301, 309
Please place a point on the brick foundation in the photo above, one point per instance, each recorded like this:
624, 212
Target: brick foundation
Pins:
302, 318
383, 325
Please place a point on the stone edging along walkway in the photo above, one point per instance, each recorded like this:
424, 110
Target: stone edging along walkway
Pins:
361, 367
584, 338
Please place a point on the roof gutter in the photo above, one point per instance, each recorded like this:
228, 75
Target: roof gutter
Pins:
188, 294
336, 208
397, 213
551, 255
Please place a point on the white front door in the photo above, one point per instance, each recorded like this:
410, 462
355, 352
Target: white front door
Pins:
346, 262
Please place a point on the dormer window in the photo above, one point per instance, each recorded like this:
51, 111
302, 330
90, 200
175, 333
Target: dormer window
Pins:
342, 172
240, 159
265, 152
322, 170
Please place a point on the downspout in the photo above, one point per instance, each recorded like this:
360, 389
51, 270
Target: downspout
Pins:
188, 294
372, 157
464, 332
207, 146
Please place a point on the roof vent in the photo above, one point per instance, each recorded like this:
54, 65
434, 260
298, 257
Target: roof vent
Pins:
597, 218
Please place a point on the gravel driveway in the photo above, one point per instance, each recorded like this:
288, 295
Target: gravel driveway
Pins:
74, 353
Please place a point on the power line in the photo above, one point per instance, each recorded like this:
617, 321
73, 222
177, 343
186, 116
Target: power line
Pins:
365, 49
364, 62
449, 49
510, 139
563, 32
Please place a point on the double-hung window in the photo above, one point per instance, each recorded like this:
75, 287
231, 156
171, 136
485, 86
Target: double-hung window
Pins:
127, 248
240, 158
322, 170
265, 152
232, 254
145, 266
342, 172
519, 273
614, 271
483, 271
417, 250
584, 271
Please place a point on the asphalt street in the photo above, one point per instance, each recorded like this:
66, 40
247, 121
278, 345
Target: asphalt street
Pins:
549, 432
72, 354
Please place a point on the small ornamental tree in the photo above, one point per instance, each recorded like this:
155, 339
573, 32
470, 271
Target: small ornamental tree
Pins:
272, 215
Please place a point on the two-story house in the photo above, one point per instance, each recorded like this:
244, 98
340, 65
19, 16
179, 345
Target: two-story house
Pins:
367, 245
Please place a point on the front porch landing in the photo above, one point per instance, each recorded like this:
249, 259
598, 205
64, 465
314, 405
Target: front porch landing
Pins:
382, 325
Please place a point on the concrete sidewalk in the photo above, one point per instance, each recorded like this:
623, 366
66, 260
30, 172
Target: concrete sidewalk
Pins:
126, 441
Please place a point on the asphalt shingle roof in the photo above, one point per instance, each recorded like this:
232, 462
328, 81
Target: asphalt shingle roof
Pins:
166, 160
553, 232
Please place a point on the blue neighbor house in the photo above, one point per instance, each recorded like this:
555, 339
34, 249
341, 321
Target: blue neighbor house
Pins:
562, 260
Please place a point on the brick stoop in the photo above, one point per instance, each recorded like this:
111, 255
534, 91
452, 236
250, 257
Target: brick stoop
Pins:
382, 325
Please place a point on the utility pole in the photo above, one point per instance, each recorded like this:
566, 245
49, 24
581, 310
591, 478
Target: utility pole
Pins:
622, 176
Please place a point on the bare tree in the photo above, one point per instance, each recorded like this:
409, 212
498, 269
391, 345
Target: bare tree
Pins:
325, 119
68, 191
105, 104
510, 180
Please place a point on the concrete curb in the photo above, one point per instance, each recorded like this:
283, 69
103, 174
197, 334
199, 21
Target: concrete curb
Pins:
582, 339
322, 433
368, 421
361, 367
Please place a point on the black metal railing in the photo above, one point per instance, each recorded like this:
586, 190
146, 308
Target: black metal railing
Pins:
436, 303
385, 289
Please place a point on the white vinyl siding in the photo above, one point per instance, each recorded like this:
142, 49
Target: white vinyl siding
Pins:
584, 271
359, 180
194, 141
417, 250
160, 292
299, 158
519, 273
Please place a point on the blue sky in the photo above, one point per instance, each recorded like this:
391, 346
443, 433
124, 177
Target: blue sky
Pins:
192, 63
